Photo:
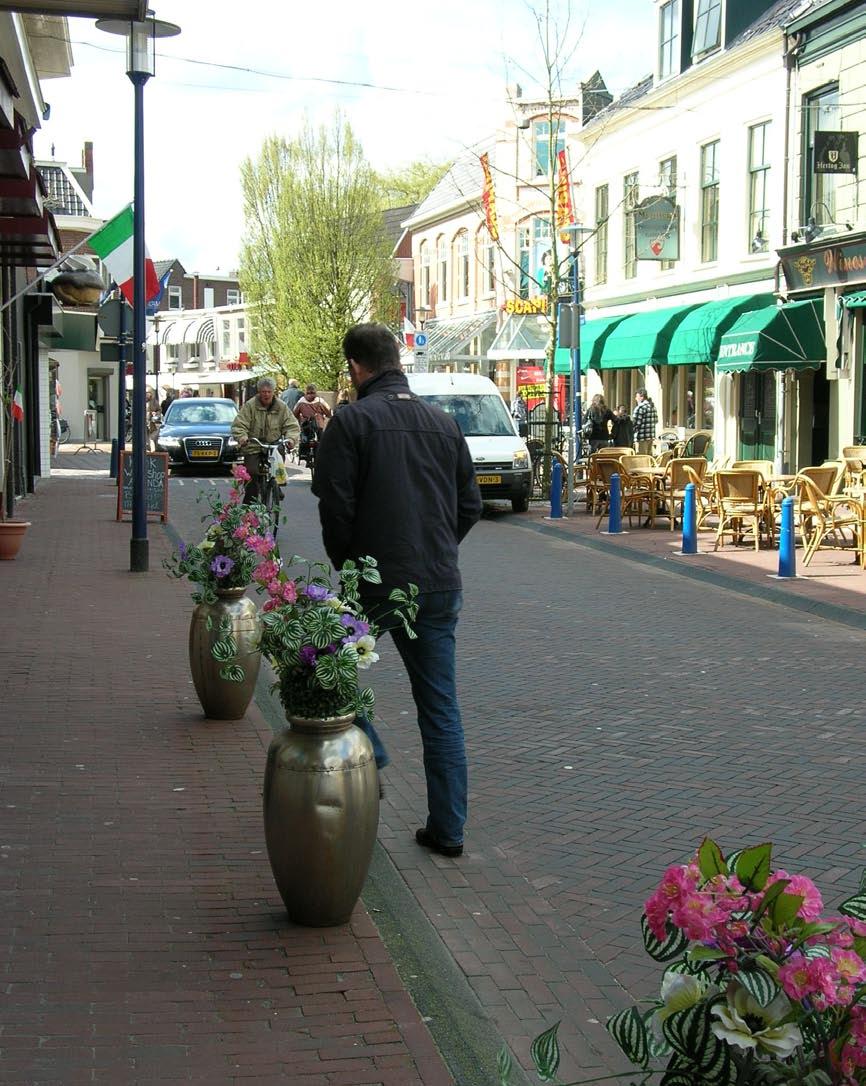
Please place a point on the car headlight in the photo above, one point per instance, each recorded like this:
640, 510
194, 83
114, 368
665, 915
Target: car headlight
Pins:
521, 460
232, 443
169, 442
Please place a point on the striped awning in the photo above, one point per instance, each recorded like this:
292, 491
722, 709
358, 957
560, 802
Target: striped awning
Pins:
200, 330
449, 338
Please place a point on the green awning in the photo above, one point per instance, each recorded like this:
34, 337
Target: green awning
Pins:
642, 339
776, 338
592, 338
854, 301
696, 338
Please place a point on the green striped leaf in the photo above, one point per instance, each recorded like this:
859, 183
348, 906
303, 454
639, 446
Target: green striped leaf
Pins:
225, 650
503, 1066
544, 1051
855, 907
232, 673
629, 1031
760, 985
688, 1032
656, 1044
675, 942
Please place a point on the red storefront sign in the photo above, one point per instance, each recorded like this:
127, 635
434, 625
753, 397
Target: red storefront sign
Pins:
533, 384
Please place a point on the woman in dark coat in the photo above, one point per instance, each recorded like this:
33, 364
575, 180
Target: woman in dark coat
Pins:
597, 423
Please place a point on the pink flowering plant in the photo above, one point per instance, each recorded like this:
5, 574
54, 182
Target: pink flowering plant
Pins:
318, 636
763, 988
238, 540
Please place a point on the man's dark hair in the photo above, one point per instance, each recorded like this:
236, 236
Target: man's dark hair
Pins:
372, 346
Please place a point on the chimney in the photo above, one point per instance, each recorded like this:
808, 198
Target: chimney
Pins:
85, 179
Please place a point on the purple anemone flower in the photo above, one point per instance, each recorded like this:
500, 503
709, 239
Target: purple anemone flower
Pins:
307, 655
182, 550
317, 592
222, 565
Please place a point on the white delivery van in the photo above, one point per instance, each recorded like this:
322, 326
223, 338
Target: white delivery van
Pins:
501, 458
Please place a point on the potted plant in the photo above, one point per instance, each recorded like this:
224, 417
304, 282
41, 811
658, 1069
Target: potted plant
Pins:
321, 795
225, 628
12, 529
761, 988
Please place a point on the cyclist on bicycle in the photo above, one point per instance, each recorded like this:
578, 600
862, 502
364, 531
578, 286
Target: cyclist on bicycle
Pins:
267, 419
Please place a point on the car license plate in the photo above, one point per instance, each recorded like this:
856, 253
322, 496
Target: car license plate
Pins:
204, 454
489, 480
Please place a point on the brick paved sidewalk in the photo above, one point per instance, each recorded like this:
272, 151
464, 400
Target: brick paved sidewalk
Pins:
143, 939
832, 580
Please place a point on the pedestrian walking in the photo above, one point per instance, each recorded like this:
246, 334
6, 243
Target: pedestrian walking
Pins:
311, 407
292, 394
342, 399
267, 419
152, 418
645, 420
520, 414
622, 434
597, 423
395, 480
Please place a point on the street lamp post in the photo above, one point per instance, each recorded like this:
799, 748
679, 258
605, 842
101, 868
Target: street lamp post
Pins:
573, 446
140, 65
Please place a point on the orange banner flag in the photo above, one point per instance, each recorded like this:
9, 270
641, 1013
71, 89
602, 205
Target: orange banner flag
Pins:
488, 199
564, 206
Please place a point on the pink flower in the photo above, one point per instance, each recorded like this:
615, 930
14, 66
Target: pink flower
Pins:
677, 882
241, 532
261, 544
805, 888
266, 571
251, 520
271, 605
697, 915
850, 966
290, 592
275, 590
241, 474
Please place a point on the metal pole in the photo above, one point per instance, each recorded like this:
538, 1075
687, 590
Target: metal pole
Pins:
139, 547
121, 377
573, 447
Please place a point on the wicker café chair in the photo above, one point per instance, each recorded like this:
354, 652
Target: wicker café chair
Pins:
764, 467
607, 467
822, 515
739, 503
596, 487
679, 472
637, 462
855, 464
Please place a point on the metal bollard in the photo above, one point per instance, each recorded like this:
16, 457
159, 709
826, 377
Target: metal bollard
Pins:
787, 560
112, 471
556, 491
614, 520
690, 520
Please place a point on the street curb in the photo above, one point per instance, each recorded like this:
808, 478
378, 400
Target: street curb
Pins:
461, 1029
832, 612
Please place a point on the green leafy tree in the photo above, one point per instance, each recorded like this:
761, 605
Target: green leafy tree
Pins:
316, 259
411, 183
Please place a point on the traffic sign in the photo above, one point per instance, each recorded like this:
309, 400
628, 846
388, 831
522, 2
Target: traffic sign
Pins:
420, 340
420, 350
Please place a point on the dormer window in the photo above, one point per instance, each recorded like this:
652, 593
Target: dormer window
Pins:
708, 27
669, 39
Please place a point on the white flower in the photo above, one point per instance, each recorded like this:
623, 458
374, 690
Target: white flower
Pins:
679, 991
364, 648
206, 545
745, 1023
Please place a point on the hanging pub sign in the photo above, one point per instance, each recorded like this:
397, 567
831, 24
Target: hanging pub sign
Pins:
836, 152
657, 229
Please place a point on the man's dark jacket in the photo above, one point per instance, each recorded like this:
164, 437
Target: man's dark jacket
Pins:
395, 481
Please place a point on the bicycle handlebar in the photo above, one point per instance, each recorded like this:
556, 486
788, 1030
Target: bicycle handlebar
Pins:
269, 445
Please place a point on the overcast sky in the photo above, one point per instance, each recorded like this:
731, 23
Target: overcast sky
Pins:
244, 69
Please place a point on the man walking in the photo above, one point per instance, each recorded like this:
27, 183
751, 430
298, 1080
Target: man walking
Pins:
292, 394
645, 420
266, 419
395, 480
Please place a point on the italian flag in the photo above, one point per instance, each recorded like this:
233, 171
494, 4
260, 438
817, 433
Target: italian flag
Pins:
113, 245
18, 406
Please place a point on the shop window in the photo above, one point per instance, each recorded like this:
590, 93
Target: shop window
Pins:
820, 113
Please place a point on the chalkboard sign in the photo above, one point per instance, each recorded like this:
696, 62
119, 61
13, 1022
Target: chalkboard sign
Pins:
155, 484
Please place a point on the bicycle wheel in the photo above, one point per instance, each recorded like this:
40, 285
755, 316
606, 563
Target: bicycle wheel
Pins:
271, 501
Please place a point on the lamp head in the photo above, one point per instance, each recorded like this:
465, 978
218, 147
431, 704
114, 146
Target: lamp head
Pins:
140, 40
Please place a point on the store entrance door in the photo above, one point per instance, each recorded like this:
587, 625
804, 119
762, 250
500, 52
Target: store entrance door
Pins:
758, 416
97, 399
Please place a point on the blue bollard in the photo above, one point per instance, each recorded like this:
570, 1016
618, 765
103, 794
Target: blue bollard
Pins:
556, 491
690, 521
614, 521
112, 471
787, 560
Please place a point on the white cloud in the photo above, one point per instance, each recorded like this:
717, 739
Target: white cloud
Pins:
208, 107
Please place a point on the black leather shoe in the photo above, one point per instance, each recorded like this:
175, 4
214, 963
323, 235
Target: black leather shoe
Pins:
427, 840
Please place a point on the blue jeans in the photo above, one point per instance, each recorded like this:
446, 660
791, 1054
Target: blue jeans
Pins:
430, 661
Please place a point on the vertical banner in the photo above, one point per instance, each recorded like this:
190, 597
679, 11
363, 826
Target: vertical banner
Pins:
564, 206
488, 199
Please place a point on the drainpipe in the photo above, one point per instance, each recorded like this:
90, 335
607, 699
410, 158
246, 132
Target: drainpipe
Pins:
789, 53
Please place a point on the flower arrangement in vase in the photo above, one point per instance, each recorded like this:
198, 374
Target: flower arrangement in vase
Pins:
239, 538
761, 989
318, 637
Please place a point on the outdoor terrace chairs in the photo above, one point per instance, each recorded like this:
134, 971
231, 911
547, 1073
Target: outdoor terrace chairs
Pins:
679, 472
822, 515
739, 504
